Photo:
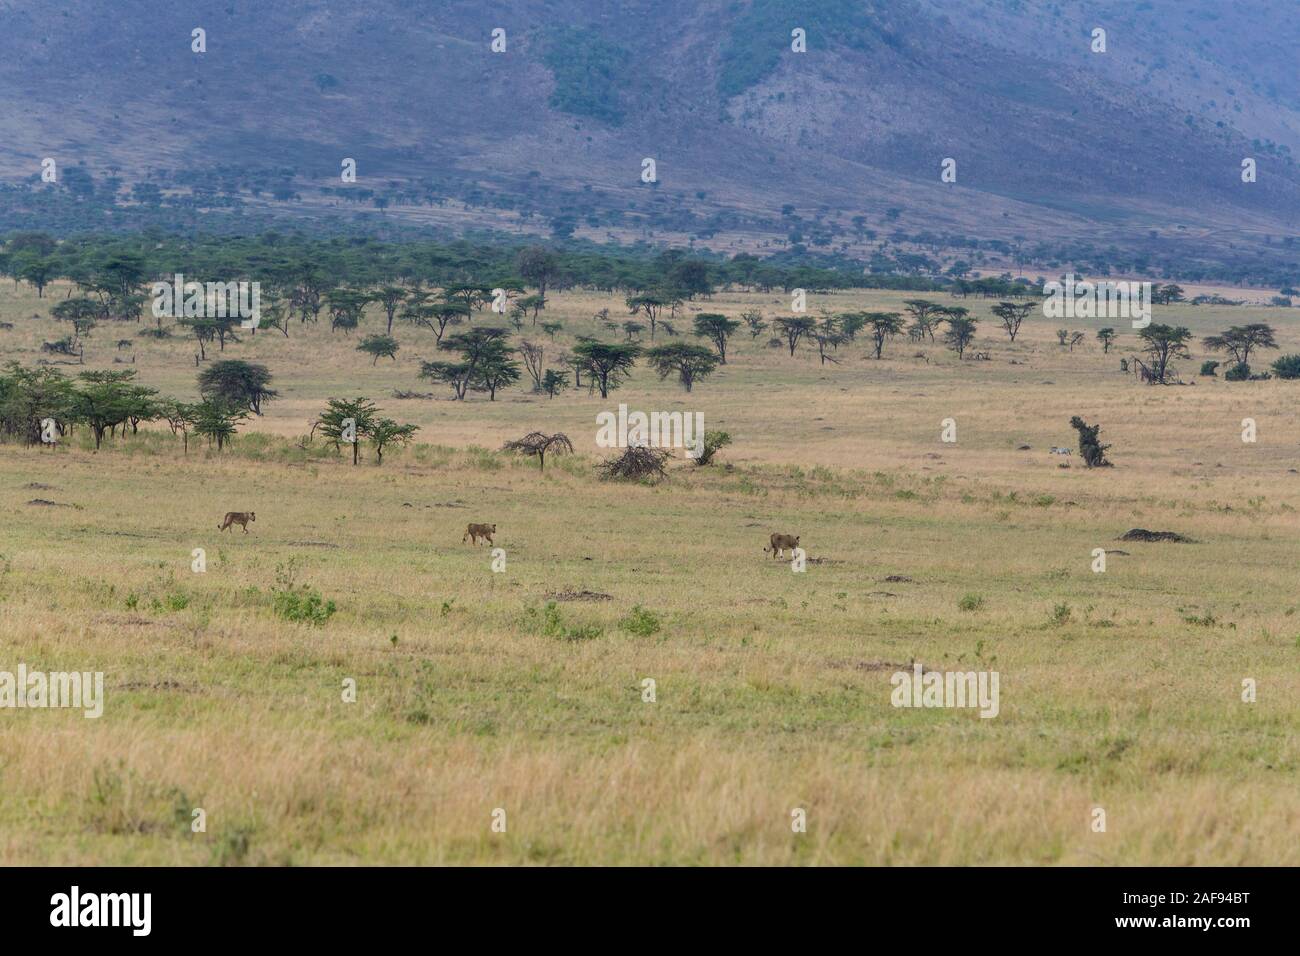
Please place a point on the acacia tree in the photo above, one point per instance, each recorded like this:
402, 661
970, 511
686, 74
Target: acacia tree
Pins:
1240, 340
217, 421
347, 307
1167, 294
485, 363
794, 329
455, 374
180, 418
827, 334
384, 432
1012, 314
1162, 343
717, 328
143, 405
533, 356
346, 421
530, 303
494, 369
468, 295
102, 400
554, 382
434, 316
204, 332
380, 346
390, 297
690, 362
607, 364
310, 285
884, 325
755, 323
538, 444
80, 312
1105, 336
238, 384
925, 316
29, 396
38, 272
960, 333
539, 267
651, 303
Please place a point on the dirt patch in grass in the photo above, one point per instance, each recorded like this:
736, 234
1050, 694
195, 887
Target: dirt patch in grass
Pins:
1142, 534
155, 685
570, 595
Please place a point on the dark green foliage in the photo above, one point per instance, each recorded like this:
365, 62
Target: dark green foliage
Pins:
760, 36
689, 362
641, 622
589, 74
1091, 449
713, 441
237, 383
1288, 366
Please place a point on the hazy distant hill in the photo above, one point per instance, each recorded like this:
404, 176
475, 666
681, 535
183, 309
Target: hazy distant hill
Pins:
835, 149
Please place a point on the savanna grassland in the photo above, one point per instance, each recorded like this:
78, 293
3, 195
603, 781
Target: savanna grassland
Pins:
1120, 690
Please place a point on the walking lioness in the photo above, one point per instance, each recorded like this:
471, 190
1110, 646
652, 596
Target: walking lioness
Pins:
781, 543
476, 531
237, 517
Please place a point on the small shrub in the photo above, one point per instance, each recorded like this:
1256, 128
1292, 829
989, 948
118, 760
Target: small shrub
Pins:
1239, 372
1208, 368
1061, 614
553, 625
303, 605
640, 622
1288, 366
1091, 450
971, 602
713, 441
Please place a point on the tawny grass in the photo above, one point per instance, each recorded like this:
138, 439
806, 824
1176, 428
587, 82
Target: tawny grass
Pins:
1119, 691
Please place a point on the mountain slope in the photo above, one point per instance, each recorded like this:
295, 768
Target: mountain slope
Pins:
756, 146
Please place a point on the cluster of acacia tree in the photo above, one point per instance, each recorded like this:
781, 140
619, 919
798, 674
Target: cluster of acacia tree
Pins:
42, 405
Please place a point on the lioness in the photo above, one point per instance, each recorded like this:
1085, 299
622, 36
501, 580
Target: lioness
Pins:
781, 542
476, 531
237, 517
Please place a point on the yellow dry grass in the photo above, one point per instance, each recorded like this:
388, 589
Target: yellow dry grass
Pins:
1119, 691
